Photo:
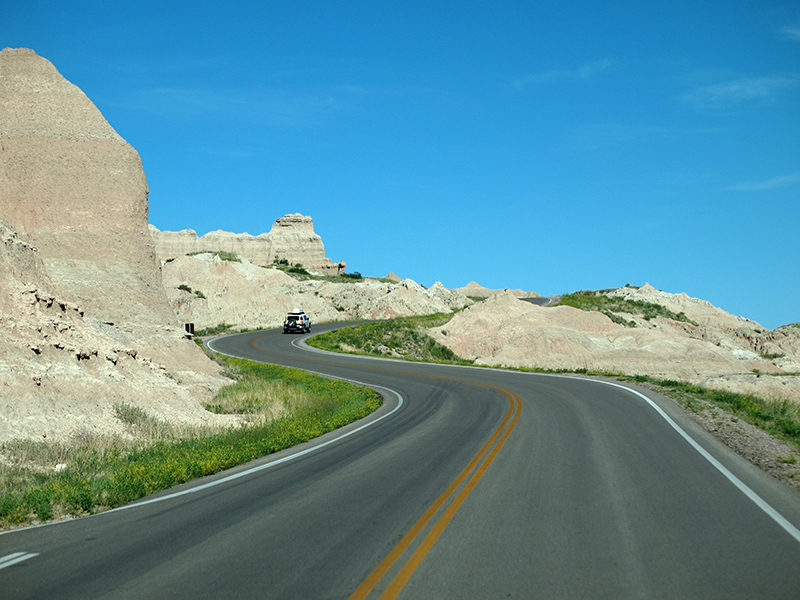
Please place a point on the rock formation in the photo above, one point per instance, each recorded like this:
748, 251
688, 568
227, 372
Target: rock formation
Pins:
208, 291
84, 321
291, 238
722, 351
475, 290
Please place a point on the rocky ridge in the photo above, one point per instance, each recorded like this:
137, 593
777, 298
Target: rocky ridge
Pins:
722, 351
88, 320
208, 291
292, 238
475, 290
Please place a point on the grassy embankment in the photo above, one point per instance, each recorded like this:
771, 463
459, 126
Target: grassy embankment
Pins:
399, 338
405, 338
281, 407
612, 306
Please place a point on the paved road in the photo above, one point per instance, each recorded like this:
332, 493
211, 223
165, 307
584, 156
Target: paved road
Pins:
546, 301
468, 483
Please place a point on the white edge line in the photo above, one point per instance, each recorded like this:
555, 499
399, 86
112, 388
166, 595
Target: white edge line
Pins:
273, 463
742, 487
17, 557
246, 472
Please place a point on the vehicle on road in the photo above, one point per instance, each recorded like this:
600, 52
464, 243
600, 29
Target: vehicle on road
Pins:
297, 321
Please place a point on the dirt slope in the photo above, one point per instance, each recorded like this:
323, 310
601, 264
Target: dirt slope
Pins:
722, 351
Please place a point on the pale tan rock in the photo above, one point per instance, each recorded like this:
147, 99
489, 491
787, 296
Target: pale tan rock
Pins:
84, 320
291, 238
475, 290
250, 296
503, 330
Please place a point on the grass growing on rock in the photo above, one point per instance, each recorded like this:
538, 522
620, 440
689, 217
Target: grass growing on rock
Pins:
779, 418
222, 254
301, 274
399, 338
42, 480
612, 305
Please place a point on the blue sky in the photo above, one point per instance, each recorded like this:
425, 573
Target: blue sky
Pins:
546, 146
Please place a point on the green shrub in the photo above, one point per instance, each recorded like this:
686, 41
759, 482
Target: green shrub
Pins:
215, 330
608, 305
399, 338
104, 476
297, 268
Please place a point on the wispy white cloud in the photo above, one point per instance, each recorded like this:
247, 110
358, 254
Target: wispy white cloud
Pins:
586, 71
271, 107
747, 88
775, 182
792, 32
613, 135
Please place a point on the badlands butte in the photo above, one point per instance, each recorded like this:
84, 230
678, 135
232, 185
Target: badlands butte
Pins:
93, 300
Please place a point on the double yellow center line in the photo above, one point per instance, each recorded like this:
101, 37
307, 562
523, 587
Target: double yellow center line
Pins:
474, 471
477, 467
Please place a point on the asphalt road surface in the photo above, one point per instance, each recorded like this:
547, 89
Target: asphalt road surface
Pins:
467, 483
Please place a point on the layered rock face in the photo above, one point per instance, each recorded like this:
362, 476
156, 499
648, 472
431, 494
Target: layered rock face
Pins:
292, 238
208, 291
84, 320
722, 351
77, 191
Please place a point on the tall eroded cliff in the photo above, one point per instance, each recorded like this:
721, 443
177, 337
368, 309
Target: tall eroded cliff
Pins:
292, 238
85, 321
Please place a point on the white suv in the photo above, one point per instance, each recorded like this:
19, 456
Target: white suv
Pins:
297, 320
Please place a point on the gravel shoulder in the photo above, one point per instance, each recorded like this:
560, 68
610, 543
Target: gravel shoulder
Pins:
775, 457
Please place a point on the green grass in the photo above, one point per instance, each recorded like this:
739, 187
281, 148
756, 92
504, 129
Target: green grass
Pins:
780, 418
301, 274
399, 338
215, 330
610, 305
229, 256
42, 480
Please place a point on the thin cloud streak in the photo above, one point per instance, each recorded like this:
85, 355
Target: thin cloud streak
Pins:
775, 182
587, 71
744, 89
792, 32
273, 108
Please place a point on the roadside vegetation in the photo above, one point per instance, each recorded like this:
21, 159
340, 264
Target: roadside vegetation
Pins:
282, 407
612, 306
301, 274
229, 256
779, 418
220, 329
399, 338
406, 338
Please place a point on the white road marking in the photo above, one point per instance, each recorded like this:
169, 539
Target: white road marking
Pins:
274, 462
740, 485
17, 557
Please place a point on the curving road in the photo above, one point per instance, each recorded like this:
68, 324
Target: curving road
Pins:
467, 483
